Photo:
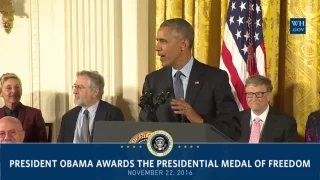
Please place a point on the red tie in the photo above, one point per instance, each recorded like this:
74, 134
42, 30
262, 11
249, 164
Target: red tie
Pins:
255, 131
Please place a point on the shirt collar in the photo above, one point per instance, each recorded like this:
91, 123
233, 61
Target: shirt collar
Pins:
262, 116
186, 68
14, 111
92, 109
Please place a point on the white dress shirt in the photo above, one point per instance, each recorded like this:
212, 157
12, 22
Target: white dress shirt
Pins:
186, 70
92, 113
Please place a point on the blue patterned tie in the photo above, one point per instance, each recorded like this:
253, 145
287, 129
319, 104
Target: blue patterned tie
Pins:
178, 86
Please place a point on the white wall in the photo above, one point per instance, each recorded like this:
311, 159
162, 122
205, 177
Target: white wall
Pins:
53, 39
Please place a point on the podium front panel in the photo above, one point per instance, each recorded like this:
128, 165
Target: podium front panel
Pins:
122, 132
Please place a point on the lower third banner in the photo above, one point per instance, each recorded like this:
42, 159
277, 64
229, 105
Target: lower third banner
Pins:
157, 160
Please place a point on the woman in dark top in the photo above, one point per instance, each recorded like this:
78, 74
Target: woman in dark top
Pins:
30, 118
313, 127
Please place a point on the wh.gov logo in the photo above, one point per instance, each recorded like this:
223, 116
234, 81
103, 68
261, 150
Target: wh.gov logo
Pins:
298, 26
160, 143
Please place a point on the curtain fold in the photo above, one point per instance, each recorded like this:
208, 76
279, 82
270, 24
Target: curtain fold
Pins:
301, 68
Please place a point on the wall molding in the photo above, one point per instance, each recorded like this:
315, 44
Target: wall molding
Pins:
35, 53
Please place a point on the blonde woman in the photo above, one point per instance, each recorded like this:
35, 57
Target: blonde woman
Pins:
30, 118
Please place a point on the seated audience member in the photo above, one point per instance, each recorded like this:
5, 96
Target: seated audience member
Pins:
313, 127
11, 130
30, 118
77, 124
262, 123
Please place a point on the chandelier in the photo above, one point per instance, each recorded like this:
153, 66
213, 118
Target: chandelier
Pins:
6, 9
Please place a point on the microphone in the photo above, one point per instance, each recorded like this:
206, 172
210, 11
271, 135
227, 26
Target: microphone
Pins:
146, 102
162, 97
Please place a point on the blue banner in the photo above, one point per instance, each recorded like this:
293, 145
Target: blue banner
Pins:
137, 161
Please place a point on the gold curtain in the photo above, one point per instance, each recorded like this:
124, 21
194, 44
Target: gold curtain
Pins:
292, 60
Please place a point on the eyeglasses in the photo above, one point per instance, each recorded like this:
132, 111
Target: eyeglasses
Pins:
257, 94
11, 133
79, 88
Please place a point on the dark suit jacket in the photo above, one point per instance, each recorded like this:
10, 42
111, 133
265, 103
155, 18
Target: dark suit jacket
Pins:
278, 127
208, 93
32, 123
105, 112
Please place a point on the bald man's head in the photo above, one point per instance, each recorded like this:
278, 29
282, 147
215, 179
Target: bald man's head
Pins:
11, 130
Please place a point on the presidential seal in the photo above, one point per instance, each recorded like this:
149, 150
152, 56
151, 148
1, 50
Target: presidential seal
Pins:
141, 137
160, 143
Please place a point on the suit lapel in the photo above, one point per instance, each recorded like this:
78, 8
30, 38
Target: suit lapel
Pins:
100, 113
2, 113
167, 82
195, 82
72, 123
270, 123
246, 128
22, 113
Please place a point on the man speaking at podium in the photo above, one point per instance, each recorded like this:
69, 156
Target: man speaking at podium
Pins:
198, 93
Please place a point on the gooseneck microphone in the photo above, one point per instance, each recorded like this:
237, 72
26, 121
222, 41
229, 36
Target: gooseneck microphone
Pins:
146, 101
162, 98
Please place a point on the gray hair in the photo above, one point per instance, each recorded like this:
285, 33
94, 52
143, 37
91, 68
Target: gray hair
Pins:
96, 80
257, 80
181, 27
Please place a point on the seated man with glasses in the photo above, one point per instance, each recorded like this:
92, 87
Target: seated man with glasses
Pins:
11, 130
77, 124
262, 123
